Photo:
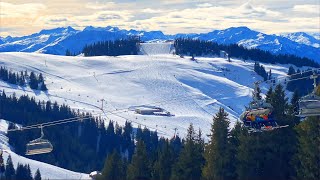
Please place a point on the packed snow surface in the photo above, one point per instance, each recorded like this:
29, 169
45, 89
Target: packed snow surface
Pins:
191, 90
156, 48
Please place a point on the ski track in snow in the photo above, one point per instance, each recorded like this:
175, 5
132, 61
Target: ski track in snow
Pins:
125, 81
193, 91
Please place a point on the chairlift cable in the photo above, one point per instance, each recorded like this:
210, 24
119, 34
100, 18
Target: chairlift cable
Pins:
78, 118
57, 121
37, 126
127, 119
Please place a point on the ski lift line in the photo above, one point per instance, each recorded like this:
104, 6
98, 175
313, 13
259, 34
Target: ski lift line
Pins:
307, 77
37, 126
311, 70
62, 121
288, 76
67, 122
270, 80
79, 118
52, 122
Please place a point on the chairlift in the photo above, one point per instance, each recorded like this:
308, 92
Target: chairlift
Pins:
309, 105
39, 146
258, 117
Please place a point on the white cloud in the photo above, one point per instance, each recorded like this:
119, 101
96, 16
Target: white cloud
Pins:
204, 5
100, 6
149, 10
307, 8
20, 10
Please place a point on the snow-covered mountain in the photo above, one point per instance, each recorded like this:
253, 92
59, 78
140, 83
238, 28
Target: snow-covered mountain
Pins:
272, 43
304, 38
57, 41
36, 42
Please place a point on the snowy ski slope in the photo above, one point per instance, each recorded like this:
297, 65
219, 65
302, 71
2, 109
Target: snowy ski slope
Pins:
156, 48
190, 90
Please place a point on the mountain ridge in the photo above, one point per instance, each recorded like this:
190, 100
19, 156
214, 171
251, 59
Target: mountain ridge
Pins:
58, 40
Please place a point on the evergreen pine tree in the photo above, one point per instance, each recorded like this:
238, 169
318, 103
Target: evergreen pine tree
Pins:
23, 172
10, 171
139, 166
37, 175
270, 75
28, 173
249, 159
163, 165
295, 102
113, 168
68, 53
269, 95
281, 144
40, 79
2, 169
216, 152
176, 145
22, 79
294, 107
20, 172
33, 81
259, 97
308, 155
190, 161
43, 87
279, 101
234, 142
291, 71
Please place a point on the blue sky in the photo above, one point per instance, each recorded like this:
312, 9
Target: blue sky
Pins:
22, 17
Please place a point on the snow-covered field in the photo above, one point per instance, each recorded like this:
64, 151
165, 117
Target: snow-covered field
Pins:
192, 91
47, 171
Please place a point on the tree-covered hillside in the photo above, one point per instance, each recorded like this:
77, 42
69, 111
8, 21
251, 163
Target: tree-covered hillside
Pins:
113, 48
196, 47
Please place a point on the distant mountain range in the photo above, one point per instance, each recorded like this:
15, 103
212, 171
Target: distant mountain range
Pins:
58, 40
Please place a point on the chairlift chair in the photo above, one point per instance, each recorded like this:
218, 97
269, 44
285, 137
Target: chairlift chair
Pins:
309, 105
39, 146
259, 116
